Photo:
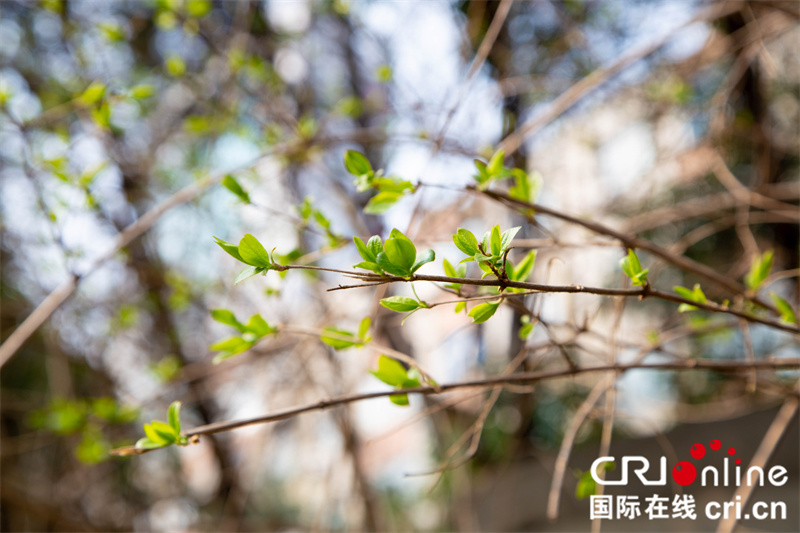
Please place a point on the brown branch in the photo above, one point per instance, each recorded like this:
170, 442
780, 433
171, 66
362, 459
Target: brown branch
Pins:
631, 241
521, 378
643, 292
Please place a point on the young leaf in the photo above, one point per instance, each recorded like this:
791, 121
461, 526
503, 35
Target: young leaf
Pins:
506, 237
495, 166
368, 265
466, 241
93, 94
496, 241
483, 312
230, 248
400, 304
385, 264
253, 253
364, 251
633, 269
399, 399
248, 272
226, 317
695, 295
586, 486
526, 186
381, 202
230, 183
338, 339
375, 245
147, 444
258, 326
449, 271
173, 415
363, 328
523, 270
787, 312
460, 306
483, 174
400, 251
759, 270
155, 435
356, 164
390, 371
425, 257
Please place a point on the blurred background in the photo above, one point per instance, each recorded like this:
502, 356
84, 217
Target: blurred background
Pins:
673, 120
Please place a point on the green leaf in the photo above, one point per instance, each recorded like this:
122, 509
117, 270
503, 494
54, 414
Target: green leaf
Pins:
391, 184
338, 339
158, 436
356, 164
147, 444
226, 317
231, 345
759, 270
198, 8
496, 241
368, 265
460, 306
525, 331
230, 183
523, 270
381, 202
364, 251
586, 486
400, 251
390, 371
388, 266
466, 241
495, 166
506, 237
375, 245
175, 65
363, 328
399, 399
165, 430
93, 93
633, 269
142, 92
695, 295
230, 248
449, 270
400, 304
787, 312
483, 174
258, 326
483, 312
526, 186
248, 272
253, 253
425, 257
173, 415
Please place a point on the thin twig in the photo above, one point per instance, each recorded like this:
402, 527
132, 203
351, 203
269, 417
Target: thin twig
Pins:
521, 378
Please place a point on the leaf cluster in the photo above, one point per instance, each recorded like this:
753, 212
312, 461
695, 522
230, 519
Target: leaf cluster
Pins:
526, 185
339, 339
161, 434
390, 189
393, 373
397, 256
253, 331
250, 252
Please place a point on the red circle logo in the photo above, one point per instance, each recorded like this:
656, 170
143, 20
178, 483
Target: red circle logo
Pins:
684, 473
